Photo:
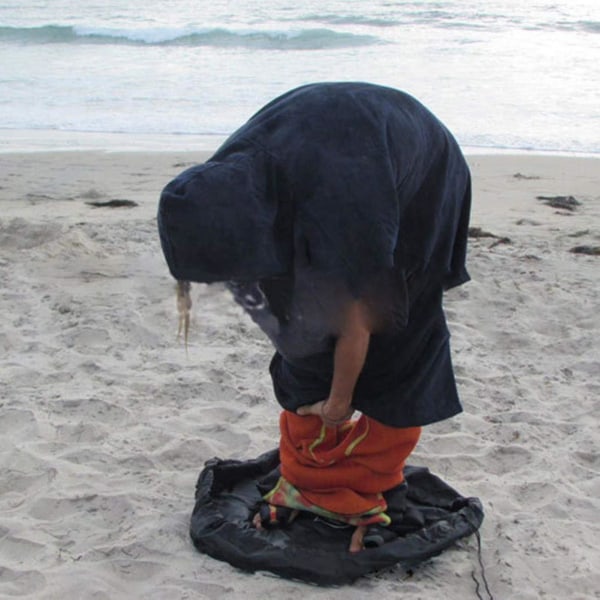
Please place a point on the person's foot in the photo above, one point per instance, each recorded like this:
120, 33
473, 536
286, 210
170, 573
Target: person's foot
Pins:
270, 516
357, 541
257, 521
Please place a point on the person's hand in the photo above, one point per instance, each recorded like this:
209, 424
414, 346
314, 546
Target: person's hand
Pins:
332, 413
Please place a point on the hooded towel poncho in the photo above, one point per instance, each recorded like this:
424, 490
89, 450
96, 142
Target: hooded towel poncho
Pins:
331, 191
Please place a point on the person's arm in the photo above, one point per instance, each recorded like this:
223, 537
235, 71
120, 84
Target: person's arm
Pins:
350, 354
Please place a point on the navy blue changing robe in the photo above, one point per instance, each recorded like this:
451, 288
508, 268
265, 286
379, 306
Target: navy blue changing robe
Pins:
330, 192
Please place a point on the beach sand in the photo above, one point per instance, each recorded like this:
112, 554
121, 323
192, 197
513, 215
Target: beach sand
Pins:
105, 422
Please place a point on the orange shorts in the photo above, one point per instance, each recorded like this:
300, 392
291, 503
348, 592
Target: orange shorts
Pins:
341, 471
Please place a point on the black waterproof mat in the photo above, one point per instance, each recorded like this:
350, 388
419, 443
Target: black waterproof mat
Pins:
312, 549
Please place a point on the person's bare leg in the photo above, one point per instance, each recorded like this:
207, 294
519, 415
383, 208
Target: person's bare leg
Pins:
356, 543
281, 519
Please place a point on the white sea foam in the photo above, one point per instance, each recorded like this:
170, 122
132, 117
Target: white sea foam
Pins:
499, 73
307, 39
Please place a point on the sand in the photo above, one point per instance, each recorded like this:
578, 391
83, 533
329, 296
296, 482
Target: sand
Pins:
105, 421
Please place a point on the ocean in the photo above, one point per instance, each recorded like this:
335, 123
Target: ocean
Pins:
503, 75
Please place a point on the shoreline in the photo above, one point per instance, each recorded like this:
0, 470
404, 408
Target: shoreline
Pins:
16, 141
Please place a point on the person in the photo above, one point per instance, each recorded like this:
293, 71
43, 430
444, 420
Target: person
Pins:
337, 216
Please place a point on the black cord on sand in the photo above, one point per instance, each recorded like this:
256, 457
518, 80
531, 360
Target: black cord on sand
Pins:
482, 568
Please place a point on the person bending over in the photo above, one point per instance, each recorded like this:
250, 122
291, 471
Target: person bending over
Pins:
336, 216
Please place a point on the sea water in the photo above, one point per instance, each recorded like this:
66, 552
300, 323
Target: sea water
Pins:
183, 74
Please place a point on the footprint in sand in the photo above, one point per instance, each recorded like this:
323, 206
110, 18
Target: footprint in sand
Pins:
18, 423
87, 339
28, 484
104, 511
19, 234
90, 410
17, 550
20, 583
502, 460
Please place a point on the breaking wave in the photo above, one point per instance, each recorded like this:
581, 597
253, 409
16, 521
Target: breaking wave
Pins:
302, 39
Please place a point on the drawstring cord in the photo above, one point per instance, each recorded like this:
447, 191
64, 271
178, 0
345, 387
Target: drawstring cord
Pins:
482, 569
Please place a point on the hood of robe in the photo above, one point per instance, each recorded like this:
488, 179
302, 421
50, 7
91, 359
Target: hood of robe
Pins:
217, 222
